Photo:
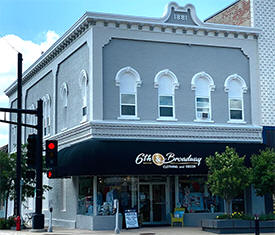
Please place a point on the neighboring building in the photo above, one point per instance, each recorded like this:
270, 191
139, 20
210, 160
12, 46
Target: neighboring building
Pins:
137, 104
260, 14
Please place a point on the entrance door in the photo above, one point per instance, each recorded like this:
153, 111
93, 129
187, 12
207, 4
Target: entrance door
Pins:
152, 203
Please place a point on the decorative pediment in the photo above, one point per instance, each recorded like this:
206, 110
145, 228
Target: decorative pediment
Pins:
186, 15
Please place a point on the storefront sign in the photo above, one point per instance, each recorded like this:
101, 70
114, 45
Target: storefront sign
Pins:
131, 219
170, 160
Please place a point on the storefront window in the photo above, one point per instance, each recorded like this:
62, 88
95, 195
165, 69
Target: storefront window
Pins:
123, 188
85, 196
195, 196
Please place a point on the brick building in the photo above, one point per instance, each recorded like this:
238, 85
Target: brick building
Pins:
259, 14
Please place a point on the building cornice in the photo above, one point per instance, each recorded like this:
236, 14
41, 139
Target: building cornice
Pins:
159, 132
125, 22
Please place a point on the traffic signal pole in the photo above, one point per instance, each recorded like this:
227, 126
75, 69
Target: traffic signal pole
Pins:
38, 217
19, 134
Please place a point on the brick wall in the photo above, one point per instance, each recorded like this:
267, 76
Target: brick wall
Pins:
236, 14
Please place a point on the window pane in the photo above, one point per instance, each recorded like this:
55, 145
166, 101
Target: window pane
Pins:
128, 110
235, 104
202, 104
203, 100
84, 111
205, 110
166, 112
236, 114
165, 100
127, 99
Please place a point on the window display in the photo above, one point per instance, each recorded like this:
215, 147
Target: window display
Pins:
122, 188
194, 195
85, 196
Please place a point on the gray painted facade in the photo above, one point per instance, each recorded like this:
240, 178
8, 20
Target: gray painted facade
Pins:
102, 44
148, 58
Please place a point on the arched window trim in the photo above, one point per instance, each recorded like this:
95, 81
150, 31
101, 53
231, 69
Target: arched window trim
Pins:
235, 77
212, 87
130, 70
46, 114
238, 78
83, 84
64, 92
202, 75
175, 83
135, 74
168, 73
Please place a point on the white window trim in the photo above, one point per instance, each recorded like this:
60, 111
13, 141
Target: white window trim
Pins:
244, 90
211, 88
133, 72
64, 96
165, 118
169, 73
122, 117
209, 119
46, 115
83, 84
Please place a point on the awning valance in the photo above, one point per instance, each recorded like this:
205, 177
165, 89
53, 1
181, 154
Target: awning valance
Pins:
114, 157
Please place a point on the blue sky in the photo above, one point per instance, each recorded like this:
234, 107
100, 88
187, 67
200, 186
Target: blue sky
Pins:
32, 26
31, 19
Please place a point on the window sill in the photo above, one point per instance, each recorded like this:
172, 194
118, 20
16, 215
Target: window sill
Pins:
128, 118
63, 129
167, 119
209, 121
84, 119
236, 122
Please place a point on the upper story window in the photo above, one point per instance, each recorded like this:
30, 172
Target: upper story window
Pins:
64, 106
83, 83
235, 86
166, 82
128, 80
203, 84
46, 114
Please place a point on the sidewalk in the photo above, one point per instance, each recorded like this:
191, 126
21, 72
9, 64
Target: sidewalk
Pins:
157, 231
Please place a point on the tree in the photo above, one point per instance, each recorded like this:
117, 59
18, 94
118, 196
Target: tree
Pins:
8, 177
263, 172
227, 175
6, 172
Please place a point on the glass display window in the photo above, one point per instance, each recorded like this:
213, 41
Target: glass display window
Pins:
195, 196
123, 188
85, 196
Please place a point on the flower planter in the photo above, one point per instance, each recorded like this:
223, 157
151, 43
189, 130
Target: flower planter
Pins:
223, 226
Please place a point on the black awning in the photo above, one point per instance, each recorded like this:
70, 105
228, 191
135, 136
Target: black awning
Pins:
110, 157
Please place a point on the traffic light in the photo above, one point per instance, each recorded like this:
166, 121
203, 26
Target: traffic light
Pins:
31, 150
51, 153
50, 174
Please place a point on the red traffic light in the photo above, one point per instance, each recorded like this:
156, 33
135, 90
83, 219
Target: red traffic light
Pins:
51, 145
49, 174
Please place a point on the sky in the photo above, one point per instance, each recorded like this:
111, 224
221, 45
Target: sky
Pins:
32, 26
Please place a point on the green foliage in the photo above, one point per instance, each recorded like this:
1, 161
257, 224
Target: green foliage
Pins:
227, 176
263, 172
7, 223
6, 171
8, 176
239, 215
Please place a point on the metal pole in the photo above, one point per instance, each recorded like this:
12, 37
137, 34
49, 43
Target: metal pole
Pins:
117, 231
19, 132
38, 218
257, 227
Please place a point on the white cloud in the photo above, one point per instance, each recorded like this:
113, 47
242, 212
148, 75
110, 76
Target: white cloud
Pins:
9, 45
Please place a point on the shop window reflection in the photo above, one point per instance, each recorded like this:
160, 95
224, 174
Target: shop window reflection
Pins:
195, 196
85, 196
122, 188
